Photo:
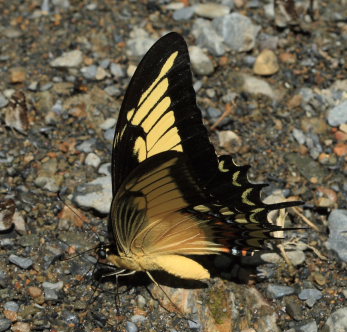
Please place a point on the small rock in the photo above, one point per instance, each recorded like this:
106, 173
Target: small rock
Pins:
89, 72
201, 63
139, 43
3, 100
87, 146
117, 70
337, 229
337, 321
229, 140
266, 63
138, 319
12, 306
340, 149
211, 10
92, 160
207, 37
113, 91
338, 115
108, 124
34, 292
278, 291
310, 293
309, 327
183, 14
96, 194
22, 262
17, 75
21, 327
256, 85
293, 309
131, 327
68, 59
5, 324
237, 31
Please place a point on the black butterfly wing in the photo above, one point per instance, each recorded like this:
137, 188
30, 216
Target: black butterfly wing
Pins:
158, 117
159, 113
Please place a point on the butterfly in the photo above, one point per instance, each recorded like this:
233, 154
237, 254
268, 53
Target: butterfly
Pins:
173, 197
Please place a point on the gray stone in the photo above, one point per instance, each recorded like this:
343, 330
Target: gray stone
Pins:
183, 14
337, 235
201, 63
108, 123
68, 59
299, 136
22, 262
96, 194
337, 321
3, 100
93, 160
113, 91
131, 327
139, 43
277, 291
207, 37
310, 293
138, 319
117, 70
87, 146
12, 306
309, 327
89, 72
5, 324
338, 115
237, 31
211, 10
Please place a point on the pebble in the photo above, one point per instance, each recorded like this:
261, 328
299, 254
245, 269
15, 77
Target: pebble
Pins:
337, 321
109, 134
89, 72
22, 262
207, 37
68, 59
131, 327
12, 306
299, 136
294, 310
87, 145
34, 292
266, 63
96, 194
337, 229
108, 123
117, 71
308, 327
229, 141
139, 43
256, 85
3, 100
113, 91
17, 74
311, 295
51, 289
92, 159
183, 13
338, 115
201, 63
237, 31
21, 327
138, 319
5, 324
278, 291
211, 10
105, 169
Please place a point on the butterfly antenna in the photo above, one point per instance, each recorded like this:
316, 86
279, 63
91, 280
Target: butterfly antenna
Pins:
180, 313
78, 216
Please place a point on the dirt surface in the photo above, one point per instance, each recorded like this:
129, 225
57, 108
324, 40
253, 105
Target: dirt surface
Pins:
41, 154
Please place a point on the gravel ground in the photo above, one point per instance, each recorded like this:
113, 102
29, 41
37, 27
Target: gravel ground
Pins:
272, 85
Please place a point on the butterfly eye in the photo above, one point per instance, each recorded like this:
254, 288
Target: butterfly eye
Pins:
102, 251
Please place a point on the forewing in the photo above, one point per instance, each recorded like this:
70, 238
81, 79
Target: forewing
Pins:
159, 113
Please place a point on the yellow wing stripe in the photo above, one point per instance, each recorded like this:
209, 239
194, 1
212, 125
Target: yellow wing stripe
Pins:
155, 114
165, 69
150, 102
